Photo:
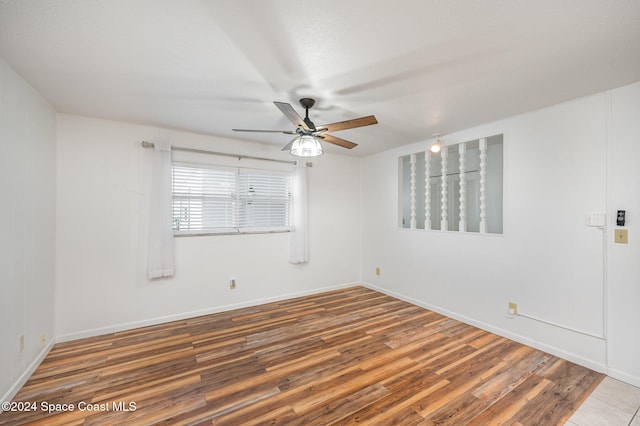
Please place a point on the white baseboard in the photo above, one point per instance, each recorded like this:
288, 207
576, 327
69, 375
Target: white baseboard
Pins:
13, 390
593, 365
177, 317
624, 377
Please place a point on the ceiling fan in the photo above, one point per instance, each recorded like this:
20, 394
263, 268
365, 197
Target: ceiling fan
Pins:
306, 143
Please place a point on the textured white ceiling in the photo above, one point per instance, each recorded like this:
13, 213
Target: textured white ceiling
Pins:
421, 66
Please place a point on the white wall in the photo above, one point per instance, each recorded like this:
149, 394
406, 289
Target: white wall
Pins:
624, 259
27, 228
548, 261
102, 221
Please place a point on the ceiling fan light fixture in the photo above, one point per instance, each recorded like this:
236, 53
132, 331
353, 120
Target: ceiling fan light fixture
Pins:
306, 146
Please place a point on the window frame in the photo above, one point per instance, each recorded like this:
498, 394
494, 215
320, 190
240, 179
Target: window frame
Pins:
494, 195
236, 203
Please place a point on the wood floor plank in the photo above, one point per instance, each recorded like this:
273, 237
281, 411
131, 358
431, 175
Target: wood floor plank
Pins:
503, 411
454, 391
341, 408
365, 379
389, 408
348, 356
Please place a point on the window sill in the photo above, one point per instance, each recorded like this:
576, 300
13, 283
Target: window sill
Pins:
451, 231
209, 234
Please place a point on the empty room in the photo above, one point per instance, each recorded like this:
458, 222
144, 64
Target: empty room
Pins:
322, 213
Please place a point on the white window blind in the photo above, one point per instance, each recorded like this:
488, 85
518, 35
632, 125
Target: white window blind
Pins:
264, 200
212, 199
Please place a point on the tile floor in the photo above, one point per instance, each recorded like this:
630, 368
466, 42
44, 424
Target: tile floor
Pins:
613, 403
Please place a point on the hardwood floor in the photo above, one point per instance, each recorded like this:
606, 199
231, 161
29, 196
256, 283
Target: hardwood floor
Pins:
352, 356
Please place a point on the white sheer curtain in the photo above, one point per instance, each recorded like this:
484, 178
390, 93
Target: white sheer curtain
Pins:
161, 260
298, 238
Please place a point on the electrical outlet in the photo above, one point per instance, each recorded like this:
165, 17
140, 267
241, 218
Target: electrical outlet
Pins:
43, 339
22, 343
377, 271
232, 284
513, 309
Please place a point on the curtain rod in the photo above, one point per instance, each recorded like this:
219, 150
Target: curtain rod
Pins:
146, 144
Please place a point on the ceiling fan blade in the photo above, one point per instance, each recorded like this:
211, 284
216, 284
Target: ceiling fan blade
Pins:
286, 132
350, 124
292, 115
337, 141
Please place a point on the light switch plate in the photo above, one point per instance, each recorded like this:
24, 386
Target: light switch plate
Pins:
621, 236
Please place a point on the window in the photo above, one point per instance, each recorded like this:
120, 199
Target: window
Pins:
213, 199
449, 199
